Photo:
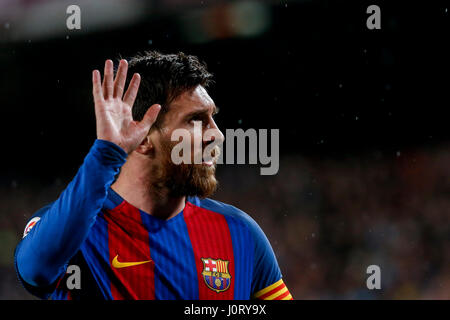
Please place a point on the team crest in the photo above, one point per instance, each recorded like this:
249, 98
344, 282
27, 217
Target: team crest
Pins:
216, 275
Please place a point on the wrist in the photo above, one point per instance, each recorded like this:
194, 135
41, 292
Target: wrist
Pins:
110, 149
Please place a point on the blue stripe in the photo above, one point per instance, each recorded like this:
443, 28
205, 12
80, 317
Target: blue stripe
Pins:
241, 239
171, 250
59, 294
96, 253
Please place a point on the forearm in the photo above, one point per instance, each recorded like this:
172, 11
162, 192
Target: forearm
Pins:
44, 252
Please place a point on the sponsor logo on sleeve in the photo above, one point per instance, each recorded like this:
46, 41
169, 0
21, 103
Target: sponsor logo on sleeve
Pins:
30, 226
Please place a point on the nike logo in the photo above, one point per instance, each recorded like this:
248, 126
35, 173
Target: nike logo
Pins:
117, 264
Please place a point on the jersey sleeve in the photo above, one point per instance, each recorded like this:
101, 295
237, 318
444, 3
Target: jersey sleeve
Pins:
267, 283
41, 292
56, 232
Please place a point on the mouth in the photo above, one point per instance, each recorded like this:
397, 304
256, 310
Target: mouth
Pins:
210, 160
208, 163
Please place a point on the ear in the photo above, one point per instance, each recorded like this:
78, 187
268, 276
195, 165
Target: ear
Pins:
146, 147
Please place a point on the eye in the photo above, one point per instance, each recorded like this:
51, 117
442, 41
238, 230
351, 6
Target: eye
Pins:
194, 118
199, 117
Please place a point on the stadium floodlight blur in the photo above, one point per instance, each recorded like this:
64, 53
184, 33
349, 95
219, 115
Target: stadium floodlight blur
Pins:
46, 19
199, 21
225, 20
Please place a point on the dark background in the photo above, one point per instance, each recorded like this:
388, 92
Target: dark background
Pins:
363, 132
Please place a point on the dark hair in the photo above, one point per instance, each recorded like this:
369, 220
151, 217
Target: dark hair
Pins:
163, 78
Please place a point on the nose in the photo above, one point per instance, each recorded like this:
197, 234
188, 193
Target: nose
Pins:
213, 133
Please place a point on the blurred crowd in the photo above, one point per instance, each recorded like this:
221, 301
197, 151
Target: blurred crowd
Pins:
327, 218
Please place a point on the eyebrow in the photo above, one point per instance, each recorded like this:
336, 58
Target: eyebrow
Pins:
203, 111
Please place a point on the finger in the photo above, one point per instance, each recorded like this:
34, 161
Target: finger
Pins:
108, 79
97, 91
133, 87
150, 117
121, 77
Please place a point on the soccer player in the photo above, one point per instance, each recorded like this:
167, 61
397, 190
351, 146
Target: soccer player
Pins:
137, 225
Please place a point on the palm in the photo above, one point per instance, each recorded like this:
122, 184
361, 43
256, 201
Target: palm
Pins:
113, 109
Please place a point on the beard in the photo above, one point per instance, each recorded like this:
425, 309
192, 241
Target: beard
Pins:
184, 179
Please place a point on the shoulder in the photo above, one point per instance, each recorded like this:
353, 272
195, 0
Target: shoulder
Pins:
230, 212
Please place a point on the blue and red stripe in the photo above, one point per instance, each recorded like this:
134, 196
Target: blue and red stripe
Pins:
210, 238
129, 240
174, 257
204, 229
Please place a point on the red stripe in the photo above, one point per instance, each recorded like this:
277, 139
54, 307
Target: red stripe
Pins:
271, 292
210, 238
59, 281
60, 286
282, 296
128, 238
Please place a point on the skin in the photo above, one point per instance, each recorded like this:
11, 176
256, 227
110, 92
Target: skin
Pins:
115, 124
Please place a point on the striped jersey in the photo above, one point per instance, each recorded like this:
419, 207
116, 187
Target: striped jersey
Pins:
209, 250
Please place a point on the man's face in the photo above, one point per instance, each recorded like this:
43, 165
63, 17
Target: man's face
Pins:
191, 109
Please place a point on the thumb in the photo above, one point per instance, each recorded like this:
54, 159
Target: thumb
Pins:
150, 117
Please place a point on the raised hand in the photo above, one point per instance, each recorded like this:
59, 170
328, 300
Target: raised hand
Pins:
113, 109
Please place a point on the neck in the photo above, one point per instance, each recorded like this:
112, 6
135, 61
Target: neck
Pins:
134, 186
